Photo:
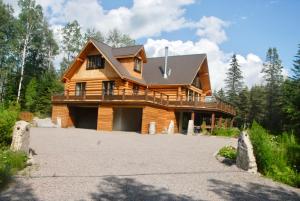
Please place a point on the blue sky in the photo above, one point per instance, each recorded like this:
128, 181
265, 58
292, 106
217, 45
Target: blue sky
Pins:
218, 28
254, 26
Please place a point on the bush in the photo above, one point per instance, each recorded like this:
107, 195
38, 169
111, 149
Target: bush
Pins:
8, 117
272, 155
10, 163
229, 132
228, 152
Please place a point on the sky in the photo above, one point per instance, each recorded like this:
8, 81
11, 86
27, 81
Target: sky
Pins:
218, 28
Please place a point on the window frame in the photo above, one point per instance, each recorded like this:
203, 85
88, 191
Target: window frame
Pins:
95, 62
137, 62
82, 88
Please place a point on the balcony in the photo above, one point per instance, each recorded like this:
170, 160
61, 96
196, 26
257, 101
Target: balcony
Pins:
130, 96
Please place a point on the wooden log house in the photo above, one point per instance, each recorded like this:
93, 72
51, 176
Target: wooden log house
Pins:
109, 89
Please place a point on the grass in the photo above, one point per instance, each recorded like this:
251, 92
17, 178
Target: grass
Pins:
227, 132
277, 157
10, 163
228, 152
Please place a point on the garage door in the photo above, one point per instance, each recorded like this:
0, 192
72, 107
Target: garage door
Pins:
127, 119
85, 117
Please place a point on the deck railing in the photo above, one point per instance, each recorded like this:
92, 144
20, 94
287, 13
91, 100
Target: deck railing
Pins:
151, 96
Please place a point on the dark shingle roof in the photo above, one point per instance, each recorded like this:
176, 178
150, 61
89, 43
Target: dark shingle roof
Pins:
183, 69
126, 51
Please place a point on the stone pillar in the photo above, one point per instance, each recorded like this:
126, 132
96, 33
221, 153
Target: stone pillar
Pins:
190, 130
105, 118
245, 156
21, 137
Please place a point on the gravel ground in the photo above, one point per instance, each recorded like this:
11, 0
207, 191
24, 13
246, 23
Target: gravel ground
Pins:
78, 164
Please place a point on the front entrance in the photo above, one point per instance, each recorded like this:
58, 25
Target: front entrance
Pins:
84, 117
127, 119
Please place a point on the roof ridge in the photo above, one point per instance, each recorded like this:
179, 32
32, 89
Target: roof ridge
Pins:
177, 55
126, 46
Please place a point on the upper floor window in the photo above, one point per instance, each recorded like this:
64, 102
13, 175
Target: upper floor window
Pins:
95, 62
137, 65
197, 82
80, 88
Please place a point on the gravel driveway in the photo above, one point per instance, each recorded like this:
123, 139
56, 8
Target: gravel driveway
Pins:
78, 164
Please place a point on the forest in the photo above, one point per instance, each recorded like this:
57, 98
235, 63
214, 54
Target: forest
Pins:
28, 75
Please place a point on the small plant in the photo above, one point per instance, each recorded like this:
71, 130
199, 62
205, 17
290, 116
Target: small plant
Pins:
228, 132
10, 163
228, 152
203, 128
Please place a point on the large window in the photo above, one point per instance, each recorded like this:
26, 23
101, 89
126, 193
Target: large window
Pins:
95, 62
108, 87
80, 88
137, 65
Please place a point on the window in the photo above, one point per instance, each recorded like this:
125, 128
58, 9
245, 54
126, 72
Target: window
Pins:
137, 65
135, 89
80, 89
95, 62
108, 87
197, 82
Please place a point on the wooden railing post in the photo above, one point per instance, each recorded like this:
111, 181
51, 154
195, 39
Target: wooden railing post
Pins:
123, 94
154, 96
84, 95
102, 95
167, 99
161, 99
181, 99
68, 95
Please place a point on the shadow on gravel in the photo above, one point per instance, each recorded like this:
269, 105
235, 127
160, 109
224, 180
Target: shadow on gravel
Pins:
114, 189
253, 191
18, 191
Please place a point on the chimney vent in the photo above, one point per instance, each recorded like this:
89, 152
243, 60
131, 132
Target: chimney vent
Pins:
166, 63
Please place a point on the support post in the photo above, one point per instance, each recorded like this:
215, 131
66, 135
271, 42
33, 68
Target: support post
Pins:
212, 121
220, 122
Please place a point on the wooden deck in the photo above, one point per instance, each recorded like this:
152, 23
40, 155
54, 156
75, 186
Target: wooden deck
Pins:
129, 96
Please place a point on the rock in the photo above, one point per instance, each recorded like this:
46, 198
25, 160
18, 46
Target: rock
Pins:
171, 127
43, 123
152, 128
245, 157
21, 136
190, 130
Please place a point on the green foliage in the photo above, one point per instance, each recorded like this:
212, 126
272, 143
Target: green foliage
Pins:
271, 155
31, 95
116, 39
228, 152
257, 104
10, 163
296, 66
203, 128
228, 132
233, 81
8, 117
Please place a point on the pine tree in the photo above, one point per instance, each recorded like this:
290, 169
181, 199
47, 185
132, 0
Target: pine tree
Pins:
92, 33
273, 77
221, 94
233, 81
296, 66
257, 102
242, 118
31, 95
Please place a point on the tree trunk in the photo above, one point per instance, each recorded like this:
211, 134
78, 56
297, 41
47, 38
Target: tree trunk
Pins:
22, 65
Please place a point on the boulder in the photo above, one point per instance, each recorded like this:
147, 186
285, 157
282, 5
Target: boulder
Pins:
171, 127
21, 136
245, 156
190, 130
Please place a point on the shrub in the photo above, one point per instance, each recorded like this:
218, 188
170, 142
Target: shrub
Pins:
10, 163
228, 152
272, 155
229, 132
203, 128
8, 117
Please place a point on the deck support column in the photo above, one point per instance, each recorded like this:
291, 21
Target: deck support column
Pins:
212, 121
180, 121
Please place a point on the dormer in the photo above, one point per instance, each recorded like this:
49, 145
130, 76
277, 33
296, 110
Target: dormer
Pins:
132, 58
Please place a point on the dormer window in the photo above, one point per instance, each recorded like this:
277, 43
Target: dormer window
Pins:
137, 65
95, 62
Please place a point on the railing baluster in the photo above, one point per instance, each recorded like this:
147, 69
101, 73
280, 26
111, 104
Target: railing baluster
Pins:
161, 100
146, 94
123, 95
167, 99
154, 96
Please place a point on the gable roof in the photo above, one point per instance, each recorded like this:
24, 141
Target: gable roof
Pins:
183, 69
126, 51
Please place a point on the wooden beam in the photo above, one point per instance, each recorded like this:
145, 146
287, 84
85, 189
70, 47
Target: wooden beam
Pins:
193, 116
79, 59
